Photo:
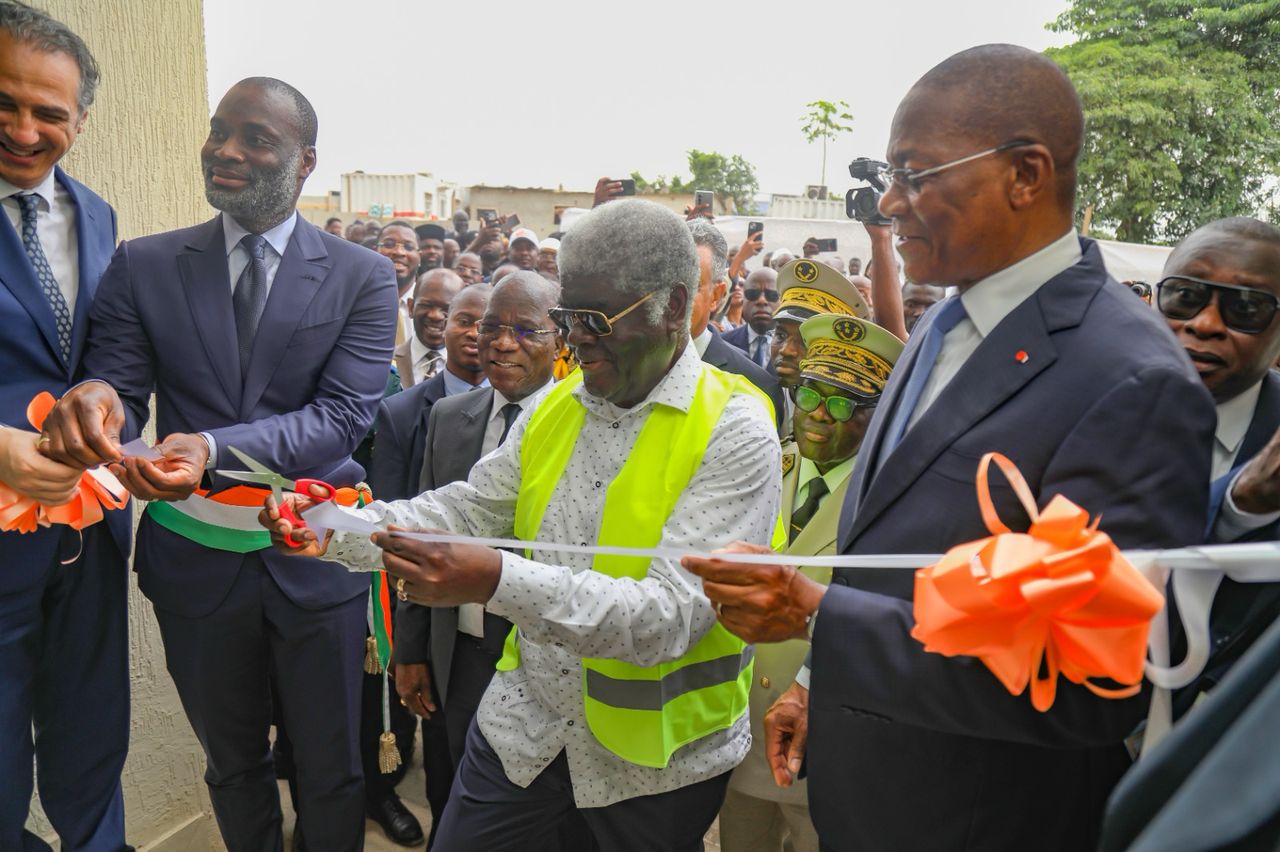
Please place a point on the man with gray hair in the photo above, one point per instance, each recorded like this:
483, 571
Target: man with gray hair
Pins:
63, 624
616, 693
713, 284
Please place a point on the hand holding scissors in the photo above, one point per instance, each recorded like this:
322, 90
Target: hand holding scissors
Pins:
316, 490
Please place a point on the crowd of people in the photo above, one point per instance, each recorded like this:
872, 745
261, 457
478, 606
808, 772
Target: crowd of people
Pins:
632, 382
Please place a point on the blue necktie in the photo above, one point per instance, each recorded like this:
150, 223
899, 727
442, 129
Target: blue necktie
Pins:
761, 355
250, 296
44, 274
949, 316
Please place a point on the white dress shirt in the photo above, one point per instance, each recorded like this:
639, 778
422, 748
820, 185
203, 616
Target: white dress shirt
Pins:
238, 258
988, 302
471, 615
1234, 417
56, 228
421, 356
752, 337
565, 611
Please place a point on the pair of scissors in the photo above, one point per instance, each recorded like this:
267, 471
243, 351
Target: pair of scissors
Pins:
262, 475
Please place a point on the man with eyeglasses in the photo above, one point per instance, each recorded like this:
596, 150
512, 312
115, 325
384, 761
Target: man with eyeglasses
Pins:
755, 335
836, 387
617, 696
1043, 357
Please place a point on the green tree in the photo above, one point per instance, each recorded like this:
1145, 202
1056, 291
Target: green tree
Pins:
732, 179
1181, 108
825, 120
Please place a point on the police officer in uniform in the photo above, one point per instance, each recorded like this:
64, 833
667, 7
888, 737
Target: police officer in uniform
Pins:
836, 389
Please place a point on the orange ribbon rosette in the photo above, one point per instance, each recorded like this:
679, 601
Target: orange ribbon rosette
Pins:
1059, 598
24, 514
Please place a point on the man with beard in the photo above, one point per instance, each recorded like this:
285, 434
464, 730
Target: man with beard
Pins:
755, 335
423, 354
399, 244
63, 627
430, 246
523, 249
291, 380
1043, 357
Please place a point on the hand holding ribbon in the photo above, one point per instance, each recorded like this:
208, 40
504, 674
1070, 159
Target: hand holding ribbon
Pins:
1060, 594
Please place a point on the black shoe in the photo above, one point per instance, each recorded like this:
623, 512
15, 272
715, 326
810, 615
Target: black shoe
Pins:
400, 825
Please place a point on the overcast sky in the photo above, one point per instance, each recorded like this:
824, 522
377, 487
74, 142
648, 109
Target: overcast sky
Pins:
560, 93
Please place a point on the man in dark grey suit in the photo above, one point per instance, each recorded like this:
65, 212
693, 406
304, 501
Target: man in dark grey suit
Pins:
454, 650
713, 284
1042, 357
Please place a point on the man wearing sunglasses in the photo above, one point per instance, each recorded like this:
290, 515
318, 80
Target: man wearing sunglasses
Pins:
1043, 357
755, 335
595, 706
836, 389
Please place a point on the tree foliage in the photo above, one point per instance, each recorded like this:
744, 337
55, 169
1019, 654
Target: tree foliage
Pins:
731, 178
825, 120
1182, 109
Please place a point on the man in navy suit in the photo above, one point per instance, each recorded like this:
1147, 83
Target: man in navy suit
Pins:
63, 629
755, 335
1042, 357
260, 332
1220, 295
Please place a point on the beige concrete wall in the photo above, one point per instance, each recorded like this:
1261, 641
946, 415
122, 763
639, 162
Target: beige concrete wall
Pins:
140, 151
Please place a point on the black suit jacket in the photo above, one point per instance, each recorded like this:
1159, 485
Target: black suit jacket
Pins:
399, 437
453, 439
1085, 389
737, 336
728, 358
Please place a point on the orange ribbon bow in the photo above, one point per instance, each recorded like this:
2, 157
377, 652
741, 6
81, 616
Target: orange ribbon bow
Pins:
24, 514
1061, 593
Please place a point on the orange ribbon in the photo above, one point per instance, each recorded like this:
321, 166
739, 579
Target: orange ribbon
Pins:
24, 514
1059, 597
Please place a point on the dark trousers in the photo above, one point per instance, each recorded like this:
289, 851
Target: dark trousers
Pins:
64, 669
229, 664
486, 811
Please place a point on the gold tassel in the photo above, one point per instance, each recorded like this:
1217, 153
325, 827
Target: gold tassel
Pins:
372, 665
388, 754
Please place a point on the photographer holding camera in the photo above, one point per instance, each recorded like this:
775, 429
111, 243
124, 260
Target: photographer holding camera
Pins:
863, 204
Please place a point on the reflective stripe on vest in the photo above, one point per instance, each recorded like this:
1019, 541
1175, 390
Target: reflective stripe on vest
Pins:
642, 714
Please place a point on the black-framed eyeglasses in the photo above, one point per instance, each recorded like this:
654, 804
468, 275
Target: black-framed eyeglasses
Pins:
1247, 310
841, 408
595, 322
519, 332
392, 245
756, 292
909, 179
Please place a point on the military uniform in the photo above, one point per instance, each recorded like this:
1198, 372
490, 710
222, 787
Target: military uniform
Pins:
854, 355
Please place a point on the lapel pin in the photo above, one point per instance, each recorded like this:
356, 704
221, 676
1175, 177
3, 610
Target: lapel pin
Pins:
1022, 357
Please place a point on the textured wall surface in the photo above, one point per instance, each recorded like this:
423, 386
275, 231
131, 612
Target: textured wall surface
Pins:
140, 151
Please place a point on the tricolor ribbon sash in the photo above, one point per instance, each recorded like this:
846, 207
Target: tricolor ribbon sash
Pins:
98, 490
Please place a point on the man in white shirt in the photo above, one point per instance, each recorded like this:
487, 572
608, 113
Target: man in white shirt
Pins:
422, 355
628, 270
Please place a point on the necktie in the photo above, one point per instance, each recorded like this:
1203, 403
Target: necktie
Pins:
432, 363
250, 296
949, 315
510, 412
800, 517
761, 353
44, 274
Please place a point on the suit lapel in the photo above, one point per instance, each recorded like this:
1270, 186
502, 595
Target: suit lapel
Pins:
1266, 418
90, 260
202, 265
404, 364
19, 276
302, 271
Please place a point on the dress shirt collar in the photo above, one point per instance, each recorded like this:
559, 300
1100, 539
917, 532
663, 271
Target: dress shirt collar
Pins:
419, 350
1234, 417
278, 237
834, 477
45, 189
500, 401
453, 384
675, 389
993, 298
702, 341
752, 334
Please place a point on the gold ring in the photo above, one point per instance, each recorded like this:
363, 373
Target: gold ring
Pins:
404, 703
400, 593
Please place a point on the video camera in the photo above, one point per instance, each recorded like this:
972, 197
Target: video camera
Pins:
863, 203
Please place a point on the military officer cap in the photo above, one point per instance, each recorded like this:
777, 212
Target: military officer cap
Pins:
809, 287
850, 353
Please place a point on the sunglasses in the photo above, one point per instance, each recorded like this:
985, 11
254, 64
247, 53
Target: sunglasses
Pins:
1247, 310
594, 322
755, 293
841, 408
